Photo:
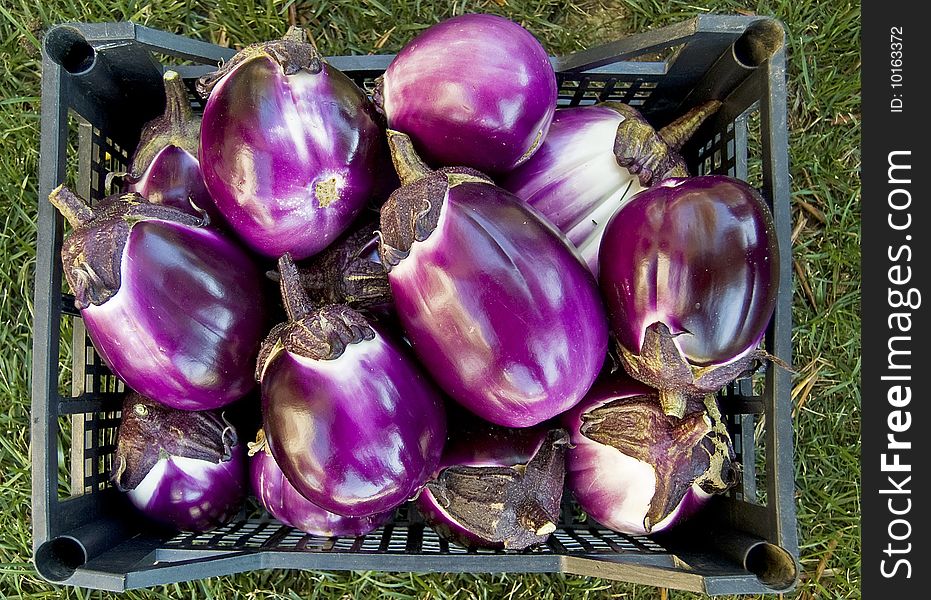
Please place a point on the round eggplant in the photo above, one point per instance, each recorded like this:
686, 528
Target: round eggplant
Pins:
176, 310
690, 273
637, 470
595, 159
164, 167
185, 469
352, 421
290, 147
475, 90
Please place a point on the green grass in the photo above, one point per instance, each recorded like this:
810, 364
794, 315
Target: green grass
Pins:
824, 119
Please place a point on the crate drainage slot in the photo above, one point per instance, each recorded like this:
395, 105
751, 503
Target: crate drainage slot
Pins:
67, 47
772, 565
57, 559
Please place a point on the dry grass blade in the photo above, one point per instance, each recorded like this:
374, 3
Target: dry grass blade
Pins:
820, 569
803, 281
813, 211
802, 222
802, 388
383, 39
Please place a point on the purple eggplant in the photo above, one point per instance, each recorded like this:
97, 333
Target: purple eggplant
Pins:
185, 469
164, 167
282, 501
352, 421
496, 304
290, 147
637, 470
497, 487
595, 159
177, 311
690, 273
475, 90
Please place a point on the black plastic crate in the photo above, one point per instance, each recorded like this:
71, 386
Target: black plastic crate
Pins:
101, 82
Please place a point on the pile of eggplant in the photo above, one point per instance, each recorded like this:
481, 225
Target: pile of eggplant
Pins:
448, 293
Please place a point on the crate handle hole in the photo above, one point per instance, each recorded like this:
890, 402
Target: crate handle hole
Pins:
758, 43
772, 565
57, 559
68, 47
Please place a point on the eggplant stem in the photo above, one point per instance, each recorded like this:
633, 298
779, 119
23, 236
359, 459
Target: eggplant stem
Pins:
108, 179
177, 107
673, 402
296, 51
300, 35
534, 517
546, 529
296, 34
204, 216
296, 302
679, 131
74, 208
409, 166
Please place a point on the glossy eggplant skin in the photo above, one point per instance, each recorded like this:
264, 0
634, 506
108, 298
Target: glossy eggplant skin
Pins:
499, 309
358, 434
698, 255
285, 503
475, 90
173, 178
193, 495
290, 159
574, 179
475, 442
185, 325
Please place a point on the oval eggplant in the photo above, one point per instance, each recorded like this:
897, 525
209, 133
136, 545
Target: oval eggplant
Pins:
475, 90
690, 273
637, 470
497, 487
176, 311
352, 421
164, 167
595, 159
497, 306
282, 501
290, 147
185, 469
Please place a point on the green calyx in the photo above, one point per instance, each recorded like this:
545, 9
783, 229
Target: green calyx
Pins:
654, 155
682, 451
177, 127
92, 253
294, 52
316, 334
